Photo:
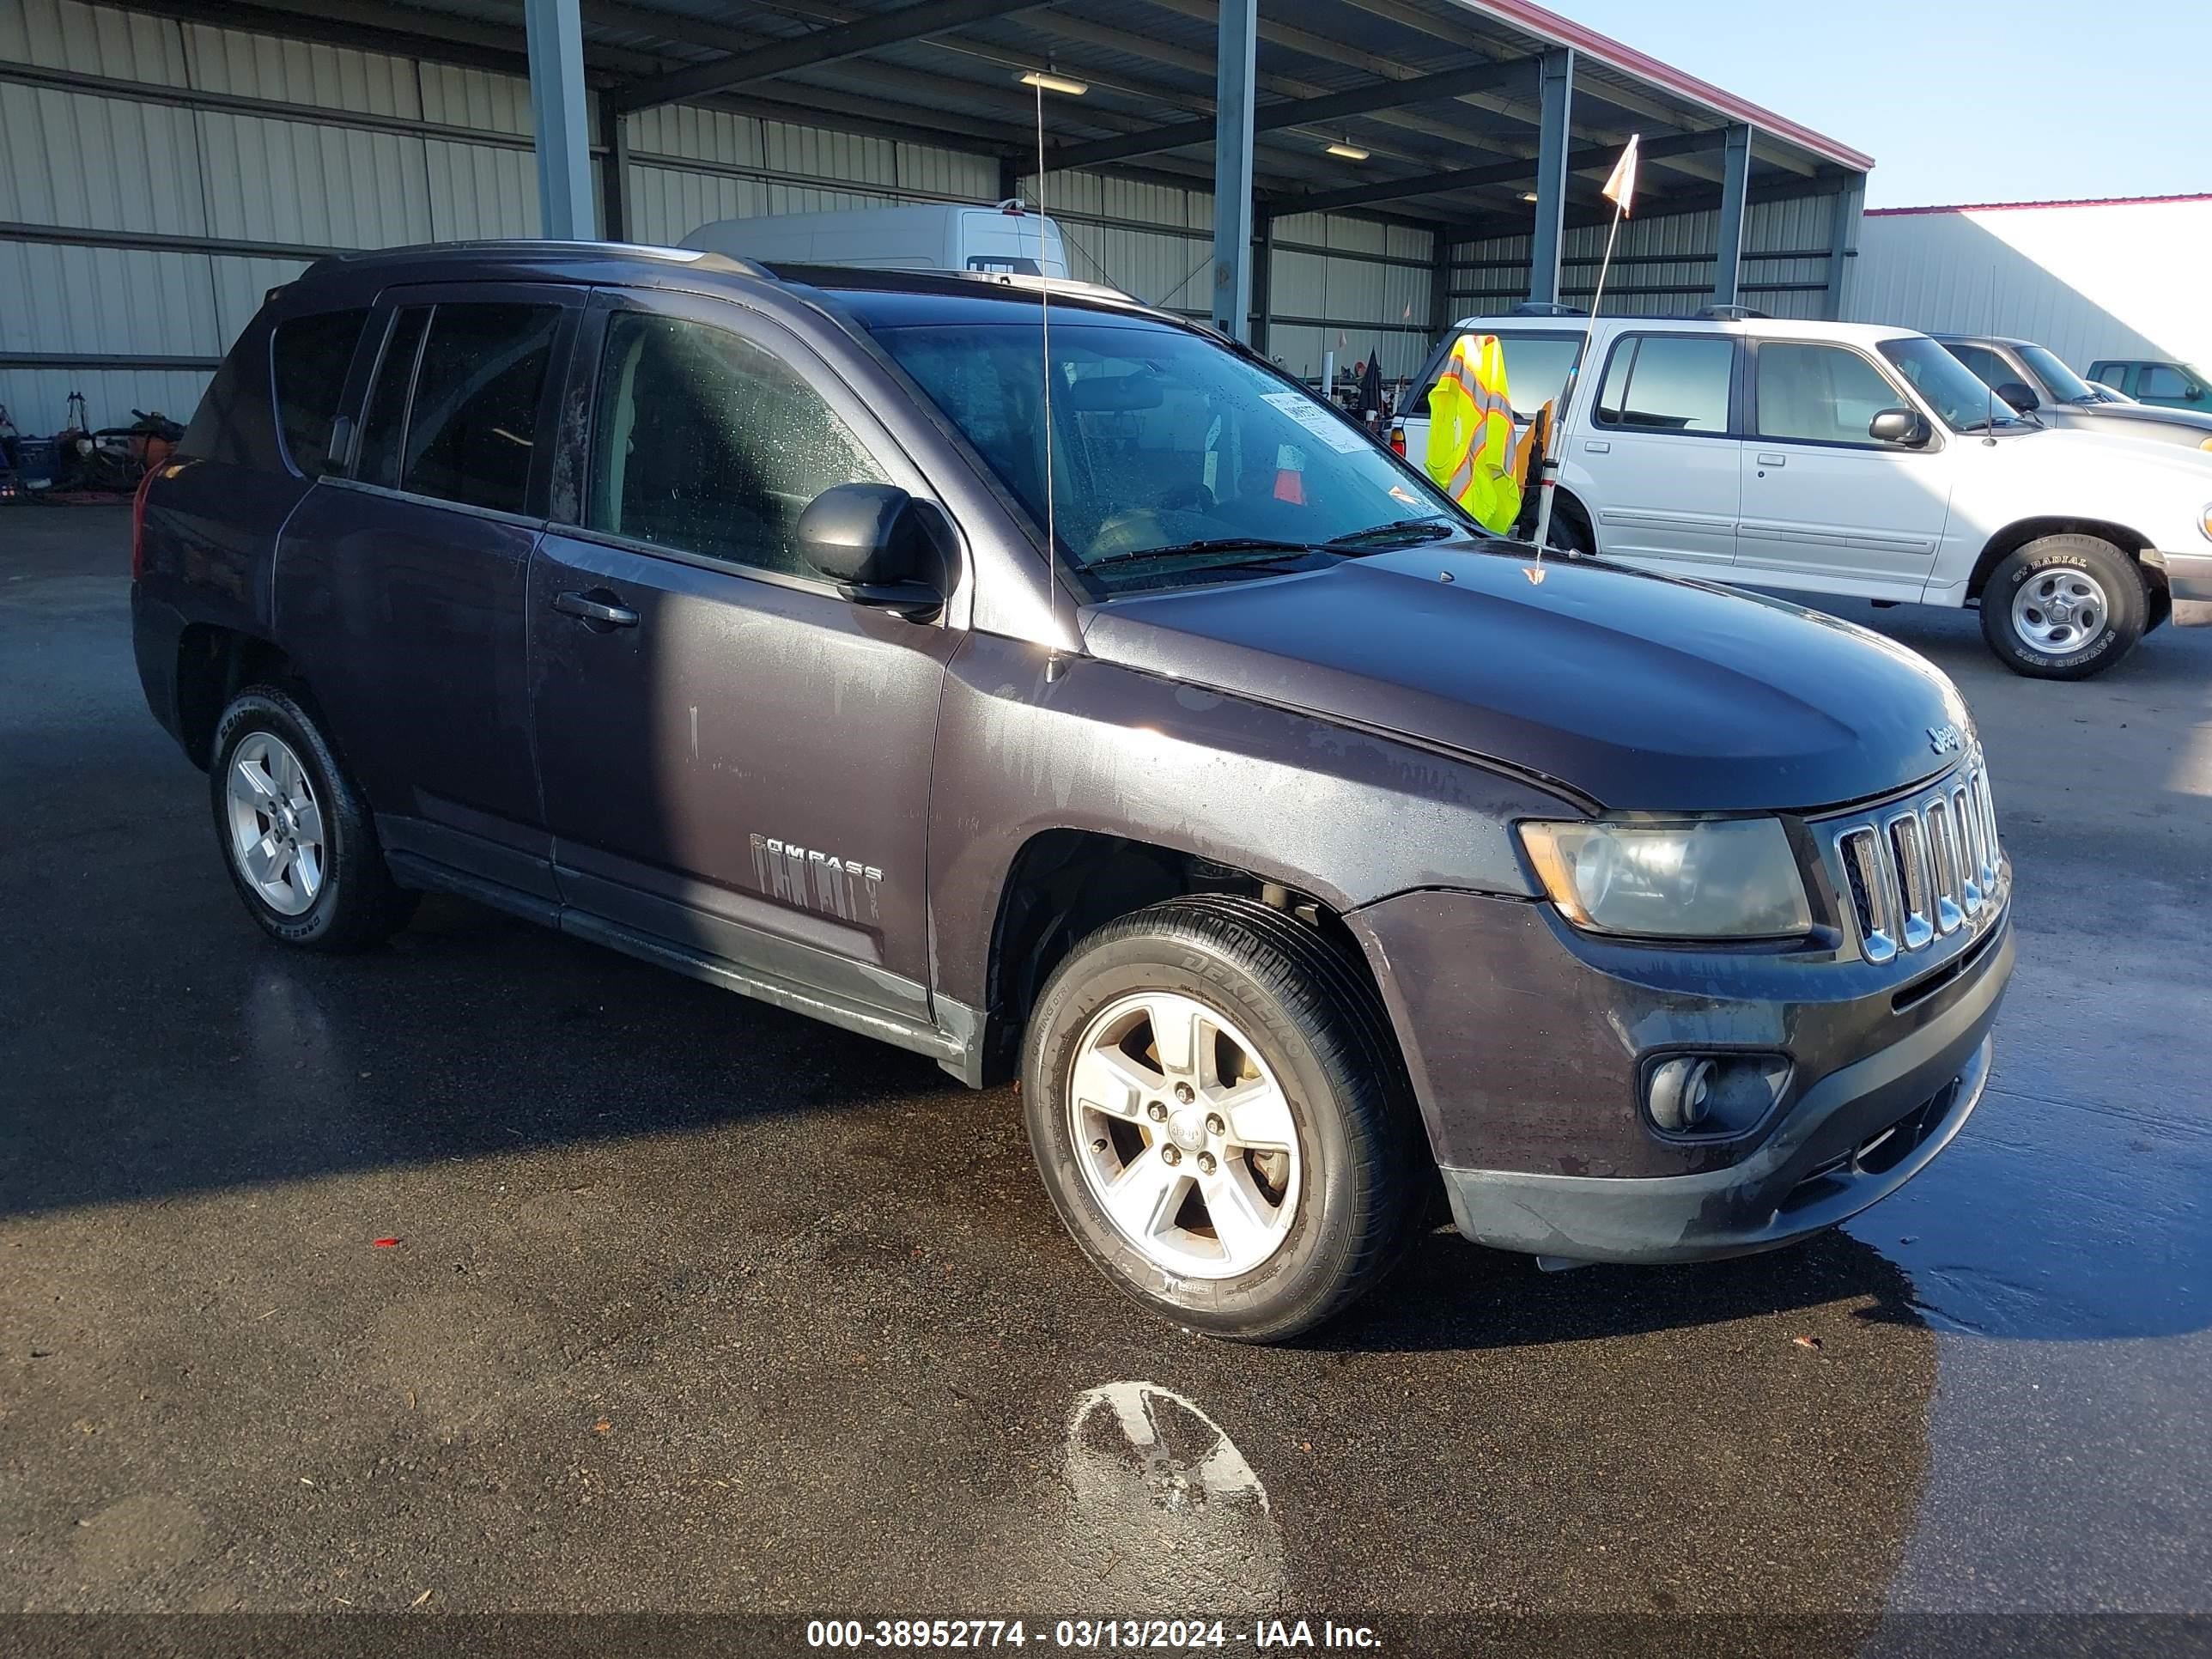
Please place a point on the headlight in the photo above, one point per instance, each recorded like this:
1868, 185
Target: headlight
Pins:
1732, 878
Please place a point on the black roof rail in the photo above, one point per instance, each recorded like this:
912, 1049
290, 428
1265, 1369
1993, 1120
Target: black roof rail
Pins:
1729, 314
1545, 308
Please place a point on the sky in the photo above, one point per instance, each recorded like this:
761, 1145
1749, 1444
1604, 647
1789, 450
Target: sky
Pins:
1960, 100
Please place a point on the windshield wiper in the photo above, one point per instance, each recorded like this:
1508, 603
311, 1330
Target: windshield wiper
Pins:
1246, 544
1407, 530
1993, 424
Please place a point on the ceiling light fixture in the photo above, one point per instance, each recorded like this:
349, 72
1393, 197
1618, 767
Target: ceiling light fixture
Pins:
1349, 152
1044, 80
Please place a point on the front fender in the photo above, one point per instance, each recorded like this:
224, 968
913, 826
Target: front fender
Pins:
1345, 815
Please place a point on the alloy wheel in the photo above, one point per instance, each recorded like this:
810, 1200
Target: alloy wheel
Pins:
1183, 1134
276, 824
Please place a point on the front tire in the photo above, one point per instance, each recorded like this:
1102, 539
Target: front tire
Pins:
2065, 607
1220, 1115
296, 837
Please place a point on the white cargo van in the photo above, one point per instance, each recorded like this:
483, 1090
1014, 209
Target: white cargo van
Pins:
1007, 239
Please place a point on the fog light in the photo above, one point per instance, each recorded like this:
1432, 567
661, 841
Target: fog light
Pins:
1679, 1090
1716, 1094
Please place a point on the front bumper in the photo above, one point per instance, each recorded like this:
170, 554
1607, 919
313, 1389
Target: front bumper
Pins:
1526, 1043
2188, 582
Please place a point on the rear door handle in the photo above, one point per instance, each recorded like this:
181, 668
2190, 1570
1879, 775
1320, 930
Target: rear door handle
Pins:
1774, 460
596, 606
1597, 446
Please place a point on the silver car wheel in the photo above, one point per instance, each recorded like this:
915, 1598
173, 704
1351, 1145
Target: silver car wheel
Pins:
276, 824
1183, 1136
2060, 610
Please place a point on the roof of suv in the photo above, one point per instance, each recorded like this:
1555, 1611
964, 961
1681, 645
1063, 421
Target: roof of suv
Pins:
1784, 328
921, 296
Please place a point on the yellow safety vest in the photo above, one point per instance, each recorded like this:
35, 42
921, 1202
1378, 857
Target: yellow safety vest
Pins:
1471, 451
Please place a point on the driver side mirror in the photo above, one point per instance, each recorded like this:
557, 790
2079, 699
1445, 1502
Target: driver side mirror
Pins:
1899, 426
878, 544
2019, 395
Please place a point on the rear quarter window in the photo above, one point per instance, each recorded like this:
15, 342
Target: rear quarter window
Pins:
310, 357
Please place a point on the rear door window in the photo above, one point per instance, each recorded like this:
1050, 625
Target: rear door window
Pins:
1821, 394
312, 356
472, 422
1669, 383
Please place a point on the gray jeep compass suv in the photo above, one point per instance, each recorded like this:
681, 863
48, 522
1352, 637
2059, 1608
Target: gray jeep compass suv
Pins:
1135, 725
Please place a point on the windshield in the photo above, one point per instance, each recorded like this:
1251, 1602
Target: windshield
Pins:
1954, 392
1161, 439
2065, 384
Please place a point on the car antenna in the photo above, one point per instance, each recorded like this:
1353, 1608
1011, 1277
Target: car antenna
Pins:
1990, 316
1054, 664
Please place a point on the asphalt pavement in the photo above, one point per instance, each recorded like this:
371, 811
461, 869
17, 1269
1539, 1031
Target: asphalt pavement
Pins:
694, 1305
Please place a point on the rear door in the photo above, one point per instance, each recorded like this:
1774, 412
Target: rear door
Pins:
735, 759
1825, 505
400, 586
1657, 457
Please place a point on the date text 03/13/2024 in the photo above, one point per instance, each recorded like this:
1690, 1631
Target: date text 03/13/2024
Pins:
1092, 1635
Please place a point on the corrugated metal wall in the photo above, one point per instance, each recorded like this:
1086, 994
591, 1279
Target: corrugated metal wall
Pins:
2108, 279
1342, 284
1663, 267
144, 222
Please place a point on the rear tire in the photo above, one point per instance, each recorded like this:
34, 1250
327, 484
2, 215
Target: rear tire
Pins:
1285, 1112
2065, 607
295, 835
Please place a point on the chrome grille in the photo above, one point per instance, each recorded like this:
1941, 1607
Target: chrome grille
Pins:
1915, 873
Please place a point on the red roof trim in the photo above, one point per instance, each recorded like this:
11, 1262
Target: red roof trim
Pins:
1559, 31
2005, 207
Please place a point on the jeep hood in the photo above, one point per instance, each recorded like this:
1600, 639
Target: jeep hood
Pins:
1637, 692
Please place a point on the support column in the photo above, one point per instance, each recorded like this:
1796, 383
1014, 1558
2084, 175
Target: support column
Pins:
614, 174
1263, 281
555, 31
1728, 254
1232, 168
1844, 248
1556, 89
1442, 313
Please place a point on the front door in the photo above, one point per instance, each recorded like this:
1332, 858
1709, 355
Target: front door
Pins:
735, 760
1656, 459
1825, 506
402, 586
2171, 386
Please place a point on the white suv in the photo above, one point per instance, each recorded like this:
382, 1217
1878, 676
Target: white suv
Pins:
1848, 459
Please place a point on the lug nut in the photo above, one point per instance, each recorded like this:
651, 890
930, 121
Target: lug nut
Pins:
1185, 1093
1169, 1156
1158, 1111
1214, 1126
1206, 1163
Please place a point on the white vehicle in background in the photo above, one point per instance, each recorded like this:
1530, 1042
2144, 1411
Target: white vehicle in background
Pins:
1856, 459
1007, 240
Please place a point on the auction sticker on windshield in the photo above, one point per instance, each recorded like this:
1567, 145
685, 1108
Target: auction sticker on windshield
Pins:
1318, 420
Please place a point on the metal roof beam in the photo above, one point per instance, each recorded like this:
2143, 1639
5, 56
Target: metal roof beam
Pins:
826, 45
1504, 173
1298, 112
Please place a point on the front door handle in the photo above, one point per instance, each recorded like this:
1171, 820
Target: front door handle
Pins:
598, 607
1774, 460
1597, 446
